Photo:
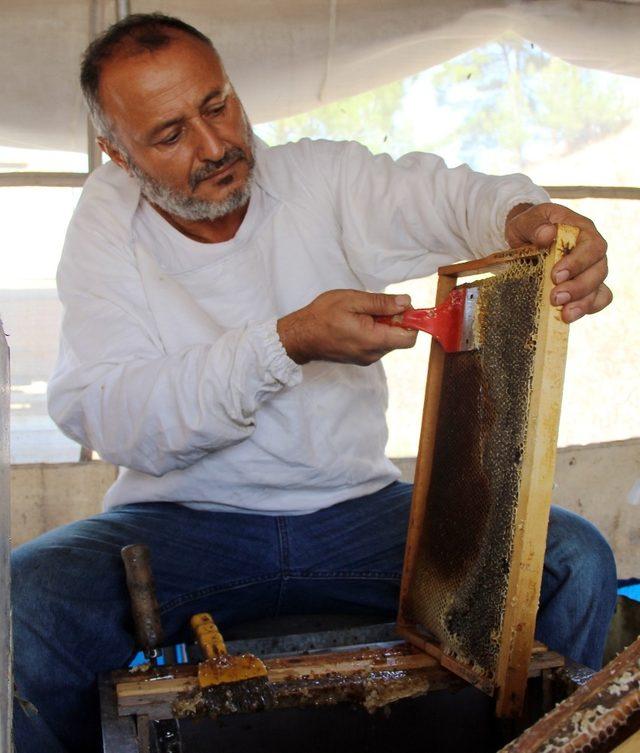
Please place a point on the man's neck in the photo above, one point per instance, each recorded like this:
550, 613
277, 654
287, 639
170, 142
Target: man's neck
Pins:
207, 231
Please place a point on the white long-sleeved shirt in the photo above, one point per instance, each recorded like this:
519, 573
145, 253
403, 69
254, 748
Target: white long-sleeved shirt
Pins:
170, 365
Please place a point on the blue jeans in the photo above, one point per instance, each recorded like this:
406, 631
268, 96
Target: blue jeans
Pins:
71, 610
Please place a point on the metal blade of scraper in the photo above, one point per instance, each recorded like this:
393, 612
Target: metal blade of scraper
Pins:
469, 331
452, 323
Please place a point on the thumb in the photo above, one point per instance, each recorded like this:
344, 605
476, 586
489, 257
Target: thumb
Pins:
377, 304
534, 226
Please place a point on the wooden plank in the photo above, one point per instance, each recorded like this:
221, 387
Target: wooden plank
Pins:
55, 180
371, 690
131, 693
541, 658
428, 645
424, 461
597, 711
488, 263
398, 657
534, 499
371, 676
24, 178
630, 745
593, 192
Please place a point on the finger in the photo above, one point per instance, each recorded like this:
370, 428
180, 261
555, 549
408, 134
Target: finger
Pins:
589, 250
590, 304
534, 225
577, 309
537, 224
393, 338
383, 339
375, 354
378, 304
604, 297
581, 286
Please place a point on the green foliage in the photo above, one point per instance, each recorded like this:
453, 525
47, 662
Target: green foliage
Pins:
516, 99
509, 103
369, 118
577, 107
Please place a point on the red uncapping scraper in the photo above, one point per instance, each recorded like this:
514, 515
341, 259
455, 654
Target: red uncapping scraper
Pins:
452, 323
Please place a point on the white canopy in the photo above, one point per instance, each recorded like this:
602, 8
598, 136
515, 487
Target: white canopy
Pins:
289, 56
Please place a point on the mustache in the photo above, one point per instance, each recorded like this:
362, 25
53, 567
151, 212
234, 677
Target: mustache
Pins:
211, 167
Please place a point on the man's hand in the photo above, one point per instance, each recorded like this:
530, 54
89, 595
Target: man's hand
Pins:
579, 276
339, 326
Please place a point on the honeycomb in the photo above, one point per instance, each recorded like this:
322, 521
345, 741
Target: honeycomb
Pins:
459, 585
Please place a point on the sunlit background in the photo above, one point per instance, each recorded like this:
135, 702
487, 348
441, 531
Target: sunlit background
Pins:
502, 108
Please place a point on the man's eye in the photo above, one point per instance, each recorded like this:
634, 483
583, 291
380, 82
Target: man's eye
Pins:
171, 139
217, 110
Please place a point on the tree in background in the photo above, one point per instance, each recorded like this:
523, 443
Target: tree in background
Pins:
509, 104
368, 118
513, 98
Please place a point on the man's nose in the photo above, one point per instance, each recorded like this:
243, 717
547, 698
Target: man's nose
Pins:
208, 143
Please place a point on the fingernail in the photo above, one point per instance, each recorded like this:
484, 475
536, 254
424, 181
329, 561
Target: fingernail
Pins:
403, 300
562, 298
575, 313
561, 276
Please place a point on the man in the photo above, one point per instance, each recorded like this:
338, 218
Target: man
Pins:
216, 324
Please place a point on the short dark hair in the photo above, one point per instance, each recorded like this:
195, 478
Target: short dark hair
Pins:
143, 31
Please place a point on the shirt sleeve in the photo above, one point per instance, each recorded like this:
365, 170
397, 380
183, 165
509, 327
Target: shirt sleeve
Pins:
117, 390
402, 219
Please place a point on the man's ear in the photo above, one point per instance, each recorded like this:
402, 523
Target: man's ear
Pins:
114, 154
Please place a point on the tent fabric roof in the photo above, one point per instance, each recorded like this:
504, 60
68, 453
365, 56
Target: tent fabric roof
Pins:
289, 56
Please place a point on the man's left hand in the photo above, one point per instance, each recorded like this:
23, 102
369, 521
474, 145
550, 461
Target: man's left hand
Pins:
579, 276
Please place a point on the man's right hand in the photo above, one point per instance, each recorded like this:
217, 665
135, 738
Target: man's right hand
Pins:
339, 325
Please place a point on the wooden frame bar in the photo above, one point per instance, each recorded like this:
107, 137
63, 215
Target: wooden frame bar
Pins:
604, 708
13, 179
536, 480
48, 179
372, 675
593, 192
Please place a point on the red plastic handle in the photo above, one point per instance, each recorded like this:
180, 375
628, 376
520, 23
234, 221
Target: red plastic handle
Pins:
443, 322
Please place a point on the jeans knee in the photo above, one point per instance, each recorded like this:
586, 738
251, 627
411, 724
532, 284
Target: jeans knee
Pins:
30, 570
578, 548
606, 562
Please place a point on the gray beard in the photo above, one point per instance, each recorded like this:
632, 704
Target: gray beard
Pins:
187, 207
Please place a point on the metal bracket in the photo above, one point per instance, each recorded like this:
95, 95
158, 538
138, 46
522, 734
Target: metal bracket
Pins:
165, 736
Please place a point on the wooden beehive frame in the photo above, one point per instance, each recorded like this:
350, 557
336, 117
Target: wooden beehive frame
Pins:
604, 708
373, 675
534, 497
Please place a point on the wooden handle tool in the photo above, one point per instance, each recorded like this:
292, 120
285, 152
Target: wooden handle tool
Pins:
144, 603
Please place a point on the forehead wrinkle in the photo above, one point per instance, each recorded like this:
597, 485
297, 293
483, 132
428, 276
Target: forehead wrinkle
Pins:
148, 81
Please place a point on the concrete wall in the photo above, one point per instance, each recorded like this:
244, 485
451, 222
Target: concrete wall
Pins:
48, 495
600, 481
